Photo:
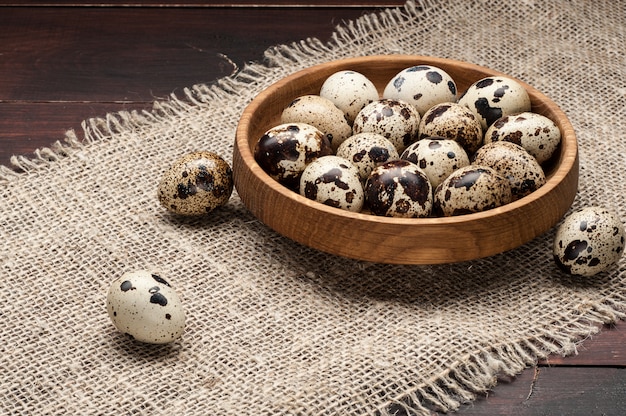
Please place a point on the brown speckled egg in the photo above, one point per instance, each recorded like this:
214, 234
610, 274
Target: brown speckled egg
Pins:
438, 157
350, 91
397, 120
493, 97
589, 241
422, 86
285, 150
399, 189
470, 189
319, 112
333, 181
196, 184
536, 133
515, 163
452, 121
366, 151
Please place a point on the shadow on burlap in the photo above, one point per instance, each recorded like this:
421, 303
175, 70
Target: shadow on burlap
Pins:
275, 327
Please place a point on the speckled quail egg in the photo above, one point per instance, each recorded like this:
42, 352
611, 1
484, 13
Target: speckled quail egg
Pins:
438, 157
452, 121
333, 181
366, 151
515, 163
350, 91
422, 86
470, 189
144, 305
399, 189
589, 241
536, 133
196, 184
397, 120
285, 150
319, 112
493, 97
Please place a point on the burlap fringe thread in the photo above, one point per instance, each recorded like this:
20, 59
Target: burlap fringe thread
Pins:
475, 373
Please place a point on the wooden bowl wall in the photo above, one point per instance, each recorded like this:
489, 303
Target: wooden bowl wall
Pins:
397, 240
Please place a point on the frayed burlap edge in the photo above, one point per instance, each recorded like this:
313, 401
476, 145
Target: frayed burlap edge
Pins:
477, 372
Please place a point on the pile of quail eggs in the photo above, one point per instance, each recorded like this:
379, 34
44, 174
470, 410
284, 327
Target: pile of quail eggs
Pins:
419, 150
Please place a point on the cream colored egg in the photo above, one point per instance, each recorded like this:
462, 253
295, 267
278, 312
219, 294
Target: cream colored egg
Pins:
589, 241
366, 151
422, 86
396, 120
333, 181
196, 184
515, 163
319, 112
470, 189
350, 91
437, 157
493, 97
145, 306
452, 121
536, 133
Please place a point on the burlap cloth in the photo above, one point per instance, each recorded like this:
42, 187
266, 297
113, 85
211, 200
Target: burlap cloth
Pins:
275, 327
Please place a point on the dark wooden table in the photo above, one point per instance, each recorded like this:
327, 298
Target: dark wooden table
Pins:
61, 64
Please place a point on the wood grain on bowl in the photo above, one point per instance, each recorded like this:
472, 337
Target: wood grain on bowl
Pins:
397, 240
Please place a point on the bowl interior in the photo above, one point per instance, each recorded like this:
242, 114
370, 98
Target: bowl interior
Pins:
393, 240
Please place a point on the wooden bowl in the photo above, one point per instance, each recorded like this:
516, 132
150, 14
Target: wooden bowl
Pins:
397, 240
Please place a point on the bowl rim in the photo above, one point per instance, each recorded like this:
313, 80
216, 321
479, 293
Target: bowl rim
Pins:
568, 148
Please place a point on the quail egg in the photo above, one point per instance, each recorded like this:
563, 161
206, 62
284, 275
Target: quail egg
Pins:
536, 133
422, 86
394, 119
285, 150
333, 181
589, 241
470, 189
452, 121
399, 189
350, 91
145, 306
319, 112
493, 97
437, 157
515, 163
366, 151
196, 184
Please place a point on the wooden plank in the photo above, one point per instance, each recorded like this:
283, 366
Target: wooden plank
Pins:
556, 391
204, 3
116, 54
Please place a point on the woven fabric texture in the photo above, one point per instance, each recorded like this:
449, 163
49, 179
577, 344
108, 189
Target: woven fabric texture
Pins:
274, 327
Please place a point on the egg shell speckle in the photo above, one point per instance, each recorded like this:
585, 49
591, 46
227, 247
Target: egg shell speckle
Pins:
493, 97
396, 120
319, 112
470, 189
350, 91
399, 189
589, 241
196, 184
333, 181
536, 133
515, 163
284, 151
452, 121
422, 86
144, 305
438, 157
366, 151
